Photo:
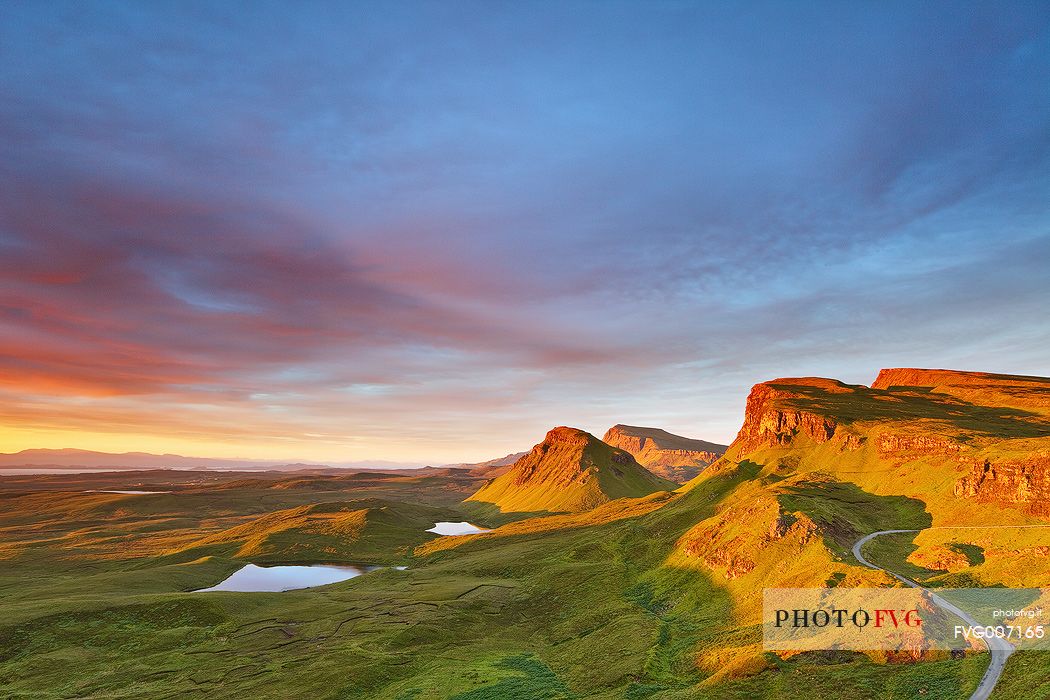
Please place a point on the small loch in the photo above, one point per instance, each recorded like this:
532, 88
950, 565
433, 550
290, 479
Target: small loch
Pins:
272, 579
452, 529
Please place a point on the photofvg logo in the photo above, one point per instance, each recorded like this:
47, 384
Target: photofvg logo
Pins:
840, 617
903, 619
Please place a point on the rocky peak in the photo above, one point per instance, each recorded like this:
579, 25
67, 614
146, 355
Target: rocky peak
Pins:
571, 470
635, 438
567, 436
668, 455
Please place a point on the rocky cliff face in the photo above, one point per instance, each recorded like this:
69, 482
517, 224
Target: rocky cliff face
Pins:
665, 454
942, 417
1023, 484
900, 443
771, 420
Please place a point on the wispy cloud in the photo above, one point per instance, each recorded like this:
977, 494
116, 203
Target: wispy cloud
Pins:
433, 230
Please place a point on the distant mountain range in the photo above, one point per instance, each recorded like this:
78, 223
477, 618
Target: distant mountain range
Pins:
490, 468
90, 460
671, 456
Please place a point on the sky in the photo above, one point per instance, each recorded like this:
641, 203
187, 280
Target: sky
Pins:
430, 231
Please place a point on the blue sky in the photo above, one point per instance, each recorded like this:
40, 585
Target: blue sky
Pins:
431, 231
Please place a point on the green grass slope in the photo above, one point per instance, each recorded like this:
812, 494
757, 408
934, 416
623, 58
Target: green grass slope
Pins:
360, 531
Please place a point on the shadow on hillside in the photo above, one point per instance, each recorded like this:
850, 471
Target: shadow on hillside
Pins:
489, 514
846, 512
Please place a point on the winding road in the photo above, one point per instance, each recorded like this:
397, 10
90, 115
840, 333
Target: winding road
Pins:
1000, 649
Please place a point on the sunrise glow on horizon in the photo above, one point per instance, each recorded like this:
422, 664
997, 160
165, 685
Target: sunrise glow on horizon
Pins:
431, 234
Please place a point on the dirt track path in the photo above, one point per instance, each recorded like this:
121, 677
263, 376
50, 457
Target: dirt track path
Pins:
1000, 649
